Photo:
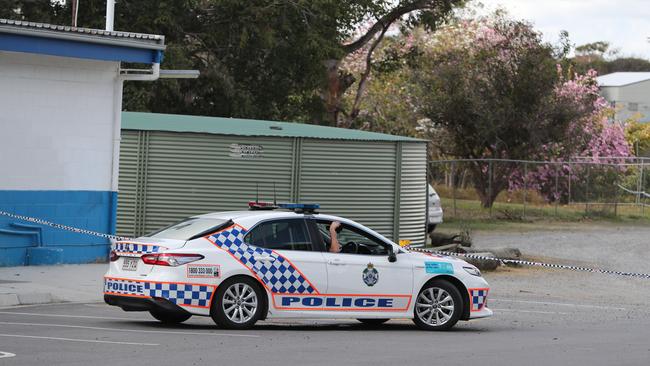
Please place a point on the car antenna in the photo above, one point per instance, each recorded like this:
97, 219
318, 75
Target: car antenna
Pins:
275, 201
257, 192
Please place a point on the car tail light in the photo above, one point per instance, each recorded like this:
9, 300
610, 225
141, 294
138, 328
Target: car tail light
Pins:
170, 259
113, 256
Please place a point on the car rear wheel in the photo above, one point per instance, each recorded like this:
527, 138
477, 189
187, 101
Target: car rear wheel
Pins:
168, 317
438, 306
238, 303
373, 322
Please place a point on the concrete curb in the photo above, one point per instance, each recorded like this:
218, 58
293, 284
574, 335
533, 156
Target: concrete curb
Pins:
9, 300
33, 298
37, 285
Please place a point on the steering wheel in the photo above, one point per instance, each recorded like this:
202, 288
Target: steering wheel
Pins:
350, 247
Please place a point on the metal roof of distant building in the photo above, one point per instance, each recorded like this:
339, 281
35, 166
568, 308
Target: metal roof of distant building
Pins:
623, 78
89, 35
247, 127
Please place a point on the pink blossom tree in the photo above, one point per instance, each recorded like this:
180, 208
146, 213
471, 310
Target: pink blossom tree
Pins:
594, 137
495, 88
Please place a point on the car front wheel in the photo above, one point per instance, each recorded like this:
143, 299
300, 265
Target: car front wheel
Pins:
438, 306
237, 303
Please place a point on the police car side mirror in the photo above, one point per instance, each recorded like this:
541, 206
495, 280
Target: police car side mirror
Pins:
391, 254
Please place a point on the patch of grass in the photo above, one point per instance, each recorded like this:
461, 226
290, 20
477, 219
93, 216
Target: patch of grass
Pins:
469, 214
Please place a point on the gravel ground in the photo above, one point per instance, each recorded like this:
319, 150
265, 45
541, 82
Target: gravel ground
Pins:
621, 248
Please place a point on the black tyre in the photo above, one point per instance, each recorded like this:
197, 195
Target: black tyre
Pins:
431, 228
168, 317
237, 304
438, 306
373, 322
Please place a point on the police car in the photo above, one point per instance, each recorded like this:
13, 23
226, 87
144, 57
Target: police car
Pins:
273, 262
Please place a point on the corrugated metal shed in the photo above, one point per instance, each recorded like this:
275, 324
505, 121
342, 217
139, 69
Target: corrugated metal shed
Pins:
174, 166
246, 127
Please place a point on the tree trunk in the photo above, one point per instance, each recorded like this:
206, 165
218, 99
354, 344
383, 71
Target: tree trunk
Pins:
481, 178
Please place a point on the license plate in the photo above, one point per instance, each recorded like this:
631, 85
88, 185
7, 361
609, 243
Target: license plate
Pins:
130, 264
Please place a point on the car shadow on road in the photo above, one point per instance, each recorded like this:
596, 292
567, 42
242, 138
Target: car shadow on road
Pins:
301, 327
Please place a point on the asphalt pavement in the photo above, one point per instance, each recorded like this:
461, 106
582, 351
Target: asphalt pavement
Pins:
541, 317
529, 328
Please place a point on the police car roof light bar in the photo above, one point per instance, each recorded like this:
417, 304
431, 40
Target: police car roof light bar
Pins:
308, 208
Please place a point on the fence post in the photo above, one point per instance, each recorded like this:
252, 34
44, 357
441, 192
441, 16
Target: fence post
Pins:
490, 186
569, 192
453, 185
525, 187
617, 196
557, 197
641, 186
638, 181
587, 189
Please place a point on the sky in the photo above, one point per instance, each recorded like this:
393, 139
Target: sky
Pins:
625, 24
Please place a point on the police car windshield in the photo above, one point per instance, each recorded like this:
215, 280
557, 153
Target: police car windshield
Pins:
187, 229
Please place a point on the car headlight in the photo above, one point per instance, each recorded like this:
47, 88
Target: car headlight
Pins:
473, 271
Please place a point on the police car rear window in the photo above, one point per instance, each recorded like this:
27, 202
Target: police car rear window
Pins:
187, 229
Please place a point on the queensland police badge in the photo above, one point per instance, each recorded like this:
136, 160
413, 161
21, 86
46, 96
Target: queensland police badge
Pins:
370, 275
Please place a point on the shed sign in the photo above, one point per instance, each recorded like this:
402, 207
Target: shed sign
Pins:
240, 151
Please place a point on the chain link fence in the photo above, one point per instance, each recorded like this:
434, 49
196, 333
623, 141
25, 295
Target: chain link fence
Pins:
520, 189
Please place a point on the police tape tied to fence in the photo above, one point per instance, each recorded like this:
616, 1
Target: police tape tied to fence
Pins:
408, 247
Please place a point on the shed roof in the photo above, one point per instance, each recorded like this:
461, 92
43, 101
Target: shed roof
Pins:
623, 78
247, 127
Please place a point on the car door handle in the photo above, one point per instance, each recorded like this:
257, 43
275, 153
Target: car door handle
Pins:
335, 262
419, 266
264, 258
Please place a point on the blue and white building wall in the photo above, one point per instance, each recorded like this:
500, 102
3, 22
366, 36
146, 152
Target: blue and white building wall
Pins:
60, 115
57, 156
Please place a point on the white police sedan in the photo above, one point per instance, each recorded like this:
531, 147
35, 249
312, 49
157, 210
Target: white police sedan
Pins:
241, 267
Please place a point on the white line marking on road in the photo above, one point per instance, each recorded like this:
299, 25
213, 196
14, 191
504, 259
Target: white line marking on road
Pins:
132, 330
530, 311
78, 340
6, 354
560, 304
67, 316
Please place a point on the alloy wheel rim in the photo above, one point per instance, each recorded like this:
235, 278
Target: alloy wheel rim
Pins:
240, 303
434, 306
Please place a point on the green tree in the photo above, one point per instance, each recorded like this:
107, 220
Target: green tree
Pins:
44, 11
271, 59
491, 85
600, 57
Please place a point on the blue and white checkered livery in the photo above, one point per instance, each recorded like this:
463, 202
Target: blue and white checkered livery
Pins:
277, 273
479, 298
183, 294
125, 247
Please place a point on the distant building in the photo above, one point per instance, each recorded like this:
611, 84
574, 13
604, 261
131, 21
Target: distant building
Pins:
629, 93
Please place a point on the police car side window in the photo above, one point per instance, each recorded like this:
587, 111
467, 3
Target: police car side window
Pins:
366, 244
281, 235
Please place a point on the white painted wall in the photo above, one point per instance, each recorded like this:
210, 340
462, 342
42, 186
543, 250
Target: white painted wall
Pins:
56, 122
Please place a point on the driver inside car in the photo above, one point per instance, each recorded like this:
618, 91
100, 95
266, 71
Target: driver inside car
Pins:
335, 228
340, 238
